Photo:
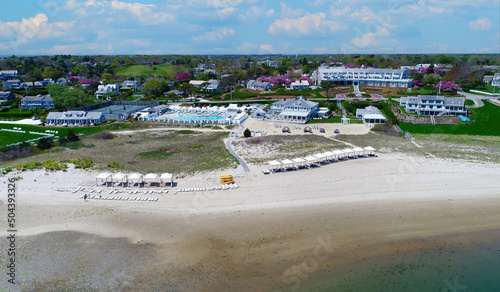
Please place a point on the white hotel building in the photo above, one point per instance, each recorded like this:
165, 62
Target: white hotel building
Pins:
434, 105
395, 78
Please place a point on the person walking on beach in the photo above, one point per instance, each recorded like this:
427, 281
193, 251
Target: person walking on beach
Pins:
85, 197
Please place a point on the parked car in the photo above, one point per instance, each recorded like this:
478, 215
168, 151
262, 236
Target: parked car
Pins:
35, 118
337, 131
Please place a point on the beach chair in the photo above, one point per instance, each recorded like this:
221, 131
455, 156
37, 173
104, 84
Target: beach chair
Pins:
99, 191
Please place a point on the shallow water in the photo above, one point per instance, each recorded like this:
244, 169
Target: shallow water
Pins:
473, 268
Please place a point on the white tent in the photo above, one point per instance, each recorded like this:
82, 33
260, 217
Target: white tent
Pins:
359, 151
298, 162
369, 150
136, 177
167, 177
338, 153
287, 163
274, 164
120, 178
320, 157
310, 160
151, 178
103, 177
329, 155
348, 152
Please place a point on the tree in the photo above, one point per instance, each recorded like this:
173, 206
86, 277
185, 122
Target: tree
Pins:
460, 75
155, 87
44, 143
328, 86
68, 98
182, 77
305, 69
107, 76
72, 136
247, 133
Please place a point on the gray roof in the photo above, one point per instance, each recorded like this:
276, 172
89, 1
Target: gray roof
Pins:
38, 98
74, 115
5, 93
296, 102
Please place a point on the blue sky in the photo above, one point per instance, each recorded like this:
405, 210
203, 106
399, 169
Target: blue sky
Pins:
85, 27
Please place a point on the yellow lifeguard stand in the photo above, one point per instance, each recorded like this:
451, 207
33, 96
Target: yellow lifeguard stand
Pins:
226, 179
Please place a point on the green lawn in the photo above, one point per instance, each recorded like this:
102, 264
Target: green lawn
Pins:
142, 71
469, 102
335, 119
11, 137
7, 138
485, 124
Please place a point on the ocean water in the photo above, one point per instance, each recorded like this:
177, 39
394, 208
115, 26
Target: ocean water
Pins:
473, 268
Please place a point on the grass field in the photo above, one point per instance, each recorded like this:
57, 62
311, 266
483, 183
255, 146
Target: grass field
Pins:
485, 124
7, 138
158, 151
335, 119
142, 71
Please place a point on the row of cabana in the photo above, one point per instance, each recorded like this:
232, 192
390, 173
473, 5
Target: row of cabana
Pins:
135, 179
317, 159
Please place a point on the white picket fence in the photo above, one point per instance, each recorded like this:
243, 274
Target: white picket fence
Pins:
19, 130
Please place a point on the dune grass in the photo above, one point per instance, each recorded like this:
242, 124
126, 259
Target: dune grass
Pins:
148, 152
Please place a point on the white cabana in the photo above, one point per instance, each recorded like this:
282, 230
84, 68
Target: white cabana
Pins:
120, 178
104, 177
369, 150
329, 155
299, 162
167, 178
320, 157
348, 152
151, 178
359, 151
274, 165
287, 163
339, 154
310, 160
136, 177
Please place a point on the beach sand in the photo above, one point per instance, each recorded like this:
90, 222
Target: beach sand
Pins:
270, 234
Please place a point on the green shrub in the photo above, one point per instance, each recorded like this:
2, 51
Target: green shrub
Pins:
83, 163
115, 164
54, 165
45, 143
247, 133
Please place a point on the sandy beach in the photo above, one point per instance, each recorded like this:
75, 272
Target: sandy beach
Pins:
251, 238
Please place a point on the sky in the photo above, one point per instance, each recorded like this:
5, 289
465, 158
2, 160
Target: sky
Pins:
116, 27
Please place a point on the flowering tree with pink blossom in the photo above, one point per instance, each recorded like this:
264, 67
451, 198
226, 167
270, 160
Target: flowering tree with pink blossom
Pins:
283, 79
448, 86
418, 83
427, 70
88, 81
181, 77
73, 78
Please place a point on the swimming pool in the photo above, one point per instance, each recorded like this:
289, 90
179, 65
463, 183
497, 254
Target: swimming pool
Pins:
187, 117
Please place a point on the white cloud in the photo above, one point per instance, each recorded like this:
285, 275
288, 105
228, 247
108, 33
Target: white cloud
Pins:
365, 15
147, 14
366, 40
337, 12
270, 13
266, 48
315, 2
36, 27
218, 34
481, 24
287, 11
247, 48
305, 25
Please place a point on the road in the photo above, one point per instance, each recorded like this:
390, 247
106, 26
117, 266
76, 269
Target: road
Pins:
231, 150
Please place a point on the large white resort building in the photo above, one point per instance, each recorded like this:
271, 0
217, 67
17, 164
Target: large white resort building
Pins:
434, 105
396, 78
298, 110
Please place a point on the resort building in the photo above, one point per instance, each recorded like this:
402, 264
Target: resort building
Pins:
495, 81
258, 85
107, 90
297, 110
299, 85
364, 76
370, 115
75, 118
434, 105
215, 86
37, 102
6, 96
